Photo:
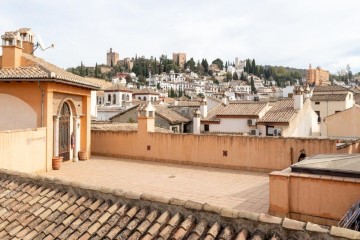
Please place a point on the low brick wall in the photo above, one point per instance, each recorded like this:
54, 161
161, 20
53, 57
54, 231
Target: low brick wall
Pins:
308, 197
225, 151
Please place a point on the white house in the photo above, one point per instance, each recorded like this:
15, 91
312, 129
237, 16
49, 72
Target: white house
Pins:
233, 117
328, 100
146, 94
117, 95
292, 117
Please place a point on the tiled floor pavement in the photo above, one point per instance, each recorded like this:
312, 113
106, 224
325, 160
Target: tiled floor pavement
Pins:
231, 188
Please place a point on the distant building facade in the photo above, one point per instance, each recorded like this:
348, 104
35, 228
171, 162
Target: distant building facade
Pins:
317, 76
112, 57
179, 59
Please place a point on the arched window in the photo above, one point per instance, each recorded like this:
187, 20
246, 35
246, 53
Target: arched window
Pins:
114, 99
139, 98
127, 97
123, 97
144, 98
109, 98
152, 99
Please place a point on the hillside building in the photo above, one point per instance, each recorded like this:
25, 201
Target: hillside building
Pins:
317, 76
112, 58
179, 59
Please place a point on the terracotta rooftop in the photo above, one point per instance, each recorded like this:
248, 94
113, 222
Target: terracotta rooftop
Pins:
126, 127
186, 104
145, 91
118, 88
169, 100
35, 207
242, 109
234, 109
281, 112
211, 116
40, 69
329, 97
163, 111
214, 99
329, 88
170, 115
101, 82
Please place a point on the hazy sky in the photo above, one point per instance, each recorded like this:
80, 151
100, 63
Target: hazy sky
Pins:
275, 32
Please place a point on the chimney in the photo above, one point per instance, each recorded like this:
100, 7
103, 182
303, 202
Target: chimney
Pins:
225, 100
298, 97
203, 108
146, 118
27, 40
11, 50
306, 91
196, 122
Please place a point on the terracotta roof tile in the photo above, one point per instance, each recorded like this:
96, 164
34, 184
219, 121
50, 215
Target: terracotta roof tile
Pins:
186, 104
329, 97
145, 91
329, 88
211, 115
172, 116
242, 109
40, 69
127, 127
283, 111
117, 87
106, 216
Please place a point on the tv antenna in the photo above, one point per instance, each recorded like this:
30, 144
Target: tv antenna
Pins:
40, 44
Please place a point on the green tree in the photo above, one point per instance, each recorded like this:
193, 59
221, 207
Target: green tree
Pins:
252, 83
205, 65
228, 77
219, 63
128, 79
235, 76
242, 77
253, 67
82, 70
190, 64
172, 93
96, 71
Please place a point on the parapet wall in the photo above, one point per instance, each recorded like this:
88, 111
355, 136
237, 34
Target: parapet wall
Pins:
310, 197
23, 150
225, 151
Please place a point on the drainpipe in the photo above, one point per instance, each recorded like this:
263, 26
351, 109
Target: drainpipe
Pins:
42, 104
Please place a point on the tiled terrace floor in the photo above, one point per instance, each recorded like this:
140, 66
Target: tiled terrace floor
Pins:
231, 188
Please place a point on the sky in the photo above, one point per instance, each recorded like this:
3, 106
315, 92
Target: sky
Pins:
273, 32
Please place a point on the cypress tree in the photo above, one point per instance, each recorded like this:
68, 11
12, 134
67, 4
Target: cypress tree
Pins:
235, 76
253, 66
253, 89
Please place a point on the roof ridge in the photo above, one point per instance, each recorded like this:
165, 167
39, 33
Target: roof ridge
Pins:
56, 72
